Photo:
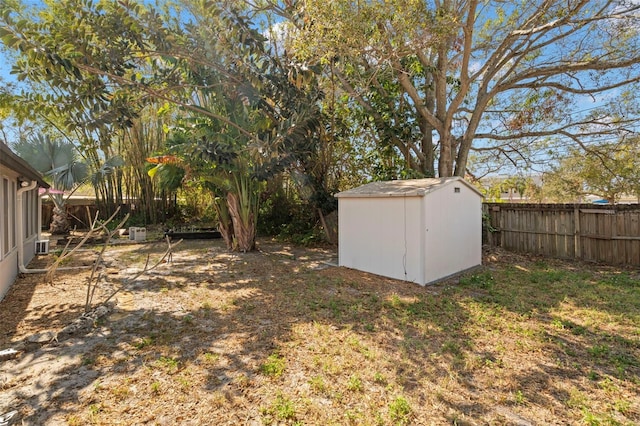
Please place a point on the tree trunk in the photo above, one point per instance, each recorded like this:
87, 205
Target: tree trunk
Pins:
225, 224
59, 222
244, 225
445, 162
427, 167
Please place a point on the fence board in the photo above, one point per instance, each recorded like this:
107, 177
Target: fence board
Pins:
608, 234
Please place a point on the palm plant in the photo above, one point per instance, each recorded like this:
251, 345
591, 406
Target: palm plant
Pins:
169, 174
59, 162
237, 208
250, 117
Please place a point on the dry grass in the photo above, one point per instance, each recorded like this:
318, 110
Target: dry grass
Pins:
276, 337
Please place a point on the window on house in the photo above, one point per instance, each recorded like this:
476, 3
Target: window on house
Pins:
32, 212
27, 212
38, 206
4, 226
12, 213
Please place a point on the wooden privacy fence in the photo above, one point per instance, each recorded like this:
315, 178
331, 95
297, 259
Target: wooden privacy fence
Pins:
598, 233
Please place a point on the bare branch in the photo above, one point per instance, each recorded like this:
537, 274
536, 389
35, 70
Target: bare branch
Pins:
91, 285
166, 255
578, 91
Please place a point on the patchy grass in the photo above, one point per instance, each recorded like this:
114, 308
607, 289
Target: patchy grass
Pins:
274, 366
271, 338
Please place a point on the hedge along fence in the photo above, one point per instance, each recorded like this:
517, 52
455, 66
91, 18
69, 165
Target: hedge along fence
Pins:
597, 233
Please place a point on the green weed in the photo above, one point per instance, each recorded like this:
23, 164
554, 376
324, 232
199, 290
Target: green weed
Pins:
354, 417
451, 347
622, 406
576, 399
599, 351
354, 384
284, 408
400, 411
185, 384
87, 360
171, 364
274, 366
379, 378
482, 280
395, 301
622, 279
209, 359
317, 384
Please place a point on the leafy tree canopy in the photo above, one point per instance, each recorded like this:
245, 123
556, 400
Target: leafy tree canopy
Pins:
608, 171
491, 79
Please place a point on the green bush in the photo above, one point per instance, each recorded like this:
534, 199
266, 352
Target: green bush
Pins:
289, 219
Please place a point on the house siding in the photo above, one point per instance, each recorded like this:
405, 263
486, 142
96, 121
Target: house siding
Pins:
8, 232
13, 170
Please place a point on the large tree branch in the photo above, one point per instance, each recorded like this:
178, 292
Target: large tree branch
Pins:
564, 130
575, 90
377, 117
519, 47
549, 25
412, 92
568, 67
465, 82
499, 57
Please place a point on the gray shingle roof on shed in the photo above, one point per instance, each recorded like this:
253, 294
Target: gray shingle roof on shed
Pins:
402, 188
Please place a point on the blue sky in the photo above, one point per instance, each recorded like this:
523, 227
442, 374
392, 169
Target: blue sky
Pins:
5, 68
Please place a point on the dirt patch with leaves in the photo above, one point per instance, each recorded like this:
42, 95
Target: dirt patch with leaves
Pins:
279, 336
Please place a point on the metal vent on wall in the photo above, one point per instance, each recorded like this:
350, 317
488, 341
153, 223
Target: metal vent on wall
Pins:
42, 247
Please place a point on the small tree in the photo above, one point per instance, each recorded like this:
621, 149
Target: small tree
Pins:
608, 171
57, 160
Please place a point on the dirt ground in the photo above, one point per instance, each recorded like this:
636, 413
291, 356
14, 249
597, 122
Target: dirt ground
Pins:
281, 336
53, 369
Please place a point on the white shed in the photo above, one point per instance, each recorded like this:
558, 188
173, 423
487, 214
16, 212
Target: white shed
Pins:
419, 230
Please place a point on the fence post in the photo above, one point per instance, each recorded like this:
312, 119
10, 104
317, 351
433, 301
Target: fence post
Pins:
577, 239
486, 224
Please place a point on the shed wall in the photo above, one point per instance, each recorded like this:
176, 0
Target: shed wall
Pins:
381, 236
453, 231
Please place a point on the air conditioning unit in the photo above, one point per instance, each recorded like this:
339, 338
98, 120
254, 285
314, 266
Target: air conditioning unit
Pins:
141, 234
42, 247
137, 234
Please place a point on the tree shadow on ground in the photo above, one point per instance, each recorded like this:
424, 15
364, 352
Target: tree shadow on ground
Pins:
577, 323
268, 338
15, 308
